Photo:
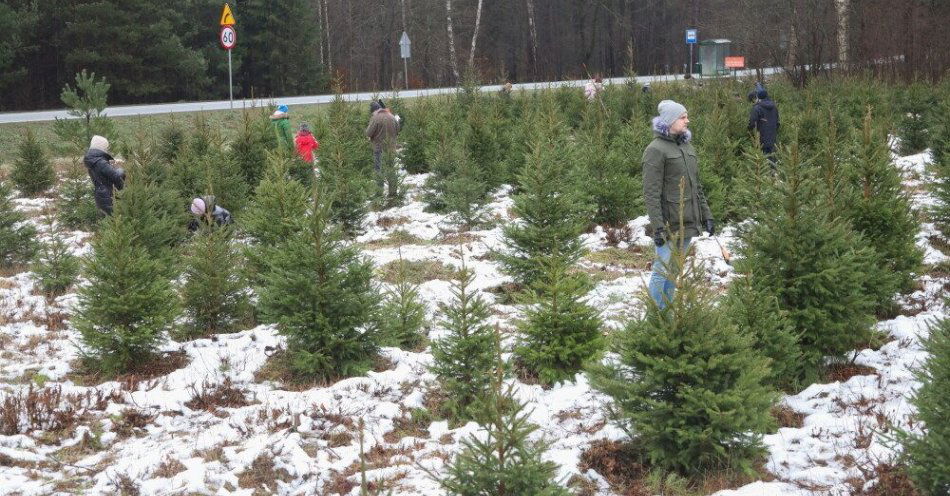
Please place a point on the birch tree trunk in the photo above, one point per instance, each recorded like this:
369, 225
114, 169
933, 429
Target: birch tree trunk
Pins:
478, 22
453, 61
533, 29
320, 27
843, 6
326, 17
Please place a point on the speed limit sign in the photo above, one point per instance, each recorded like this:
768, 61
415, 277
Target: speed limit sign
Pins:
228, 37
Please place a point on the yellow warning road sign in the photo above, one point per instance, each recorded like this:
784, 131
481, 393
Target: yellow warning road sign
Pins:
227, 18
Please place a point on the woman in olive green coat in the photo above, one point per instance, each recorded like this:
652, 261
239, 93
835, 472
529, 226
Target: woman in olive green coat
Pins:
669, 164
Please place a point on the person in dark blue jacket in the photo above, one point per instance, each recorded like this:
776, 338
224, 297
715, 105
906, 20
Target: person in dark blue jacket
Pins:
764, 119
105, 176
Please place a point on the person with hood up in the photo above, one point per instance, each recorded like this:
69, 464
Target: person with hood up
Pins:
764, 118
382, 131
667, 161
305, 142
281, 122
200, 208
104, 174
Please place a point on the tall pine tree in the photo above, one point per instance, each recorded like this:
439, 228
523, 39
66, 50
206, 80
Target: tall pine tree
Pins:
320, 293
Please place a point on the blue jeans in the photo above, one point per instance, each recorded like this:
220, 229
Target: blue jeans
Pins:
661, 289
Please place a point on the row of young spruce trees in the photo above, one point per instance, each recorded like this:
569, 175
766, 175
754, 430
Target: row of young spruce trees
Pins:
826, 242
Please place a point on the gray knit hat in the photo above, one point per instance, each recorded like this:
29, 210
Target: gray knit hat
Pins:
670, 111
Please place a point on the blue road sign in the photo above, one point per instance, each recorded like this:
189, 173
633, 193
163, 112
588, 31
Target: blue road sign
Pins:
691, 36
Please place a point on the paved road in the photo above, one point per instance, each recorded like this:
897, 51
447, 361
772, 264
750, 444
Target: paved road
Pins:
167, 108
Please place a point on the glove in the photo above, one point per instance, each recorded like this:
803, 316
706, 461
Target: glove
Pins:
710, 227
659, 236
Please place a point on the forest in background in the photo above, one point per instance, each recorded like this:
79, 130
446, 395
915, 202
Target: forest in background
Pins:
168, 51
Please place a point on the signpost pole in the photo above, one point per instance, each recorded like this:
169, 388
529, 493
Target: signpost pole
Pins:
405, 51
230, 80
691, 35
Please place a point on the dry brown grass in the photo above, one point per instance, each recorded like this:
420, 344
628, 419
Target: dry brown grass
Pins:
396, 238
160, 366
262, 477
842, 372
388, 222
213, 396
624, 467
417, 271
169, 468
132, 422
786, 417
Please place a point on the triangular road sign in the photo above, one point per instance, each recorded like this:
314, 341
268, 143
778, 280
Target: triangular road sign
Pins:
227, 18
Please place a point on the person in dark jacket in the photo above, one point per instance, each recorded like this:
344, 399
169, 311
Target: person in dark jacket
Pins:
671, 179
381, 131
205, 209
764, 119
104, 174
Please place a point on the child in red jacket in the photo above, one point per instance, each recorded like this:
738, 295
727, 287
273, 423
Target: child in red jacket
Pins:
305, 143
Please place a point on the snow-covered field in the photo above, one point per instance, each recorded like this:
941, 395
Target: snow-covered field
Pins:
155, 436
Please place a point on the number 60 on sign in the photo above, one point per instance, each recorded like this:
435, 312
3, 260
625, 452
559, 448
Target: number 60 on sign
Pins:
228, 37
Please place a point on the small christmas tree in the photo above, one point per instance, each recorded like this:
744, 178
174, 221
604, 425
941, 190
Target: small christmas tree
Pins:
204, 165
171, 141
403, 314
320, 293
32, 170
610, 172
753, 184
881, 211
155, 215
928, 454
816, 267
505, 461
912, 127
249, 148
392, 193
464, 358
939, 134
277, 211
214, 296
560, 332
129, 305
455, 184
552, 211
350, 188
758, 314
76, 205
17, 237
686, 384
940, 189
55, 267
